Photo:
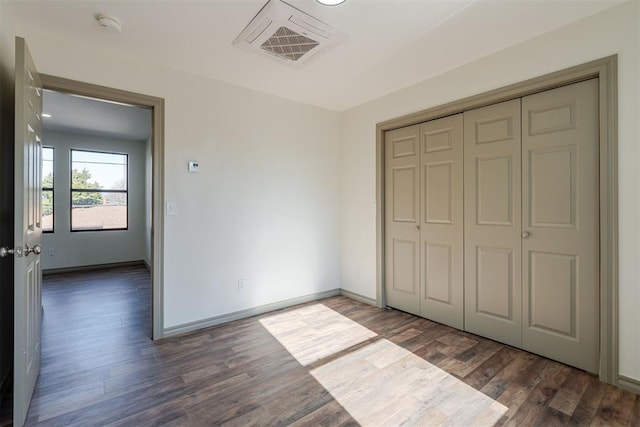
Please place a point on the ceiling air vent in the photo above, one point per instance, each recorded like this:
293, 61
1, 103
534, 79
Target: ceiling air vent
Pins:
287, 34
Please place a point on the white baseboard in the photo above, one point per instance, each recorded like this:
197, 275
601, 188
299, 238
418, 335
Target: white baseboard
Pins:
230, 317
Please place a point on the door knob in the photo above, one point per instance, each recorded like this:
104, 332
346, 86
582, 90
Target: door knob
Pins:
525, 234
5, 251
37, 249
417, 227
8, 251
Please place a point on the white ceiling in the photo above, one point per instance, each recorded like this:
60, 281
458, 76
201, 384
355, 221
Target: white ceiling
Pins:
83, 115
392, 43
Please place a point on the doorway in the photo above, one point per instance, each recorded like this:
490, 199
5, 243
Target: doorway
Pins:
155, 151
96, 185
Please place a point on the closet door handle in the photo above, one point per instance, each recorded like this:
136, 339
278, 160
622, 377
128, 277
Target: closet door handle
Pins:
417, 227
525, 234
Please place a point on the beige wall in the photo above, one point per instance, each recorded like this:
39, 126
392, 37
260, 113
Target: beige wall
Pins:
614, 31
264, 206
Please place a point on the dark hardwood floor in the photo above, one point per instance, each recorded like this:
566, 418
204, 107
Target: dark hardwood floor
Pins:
331, 362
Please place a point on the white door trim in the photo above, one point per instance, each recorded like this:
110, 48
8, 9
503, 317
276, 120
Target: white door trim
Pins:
157, 197
606, 70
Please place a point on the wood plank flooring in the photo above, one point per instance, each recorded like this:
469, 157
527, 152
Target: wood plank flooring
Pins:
331, 362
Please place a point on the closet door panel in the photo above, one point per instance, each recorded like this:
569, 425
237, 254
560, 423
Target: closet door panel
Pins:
494, 282
442, 227
560, 222
402, 219
492, 194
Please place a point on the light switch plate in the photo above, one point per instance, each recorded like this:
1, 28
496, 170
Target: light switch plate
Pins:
172, 209
194, 166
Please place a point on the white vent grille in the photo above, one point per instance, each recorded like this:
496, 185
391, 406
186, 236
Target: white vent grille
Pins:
288, 43
288, 34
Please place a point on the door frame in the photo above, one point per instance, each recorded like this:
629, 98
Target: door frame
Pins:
606, 70
157, 192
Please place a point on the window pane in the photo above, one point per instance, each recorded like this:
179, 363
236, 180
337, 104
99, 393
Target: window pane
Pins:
94, 170
47, 210
47, 167
98, 211
47, 189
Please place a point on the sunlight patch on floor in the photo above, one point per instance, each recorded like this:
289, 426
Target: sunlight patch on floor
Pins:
384, 384
314, 332
380, 383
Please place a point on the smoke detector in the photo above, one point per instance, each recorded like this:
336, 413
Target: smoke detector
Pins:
109, 23
287, 34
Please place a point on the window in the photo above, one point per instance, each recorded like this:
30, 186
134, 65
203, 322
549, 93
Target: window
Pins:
47, 189
99, 191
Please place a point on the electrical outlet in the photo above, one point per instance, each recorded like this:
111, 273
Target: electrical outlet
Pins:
241, 284
51, 252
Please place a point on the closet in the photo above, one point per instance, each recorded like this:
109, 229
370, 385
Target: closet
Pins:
492, 226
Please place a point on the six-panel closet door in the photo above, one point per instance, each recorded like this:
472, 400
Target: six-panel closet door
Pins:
492, 182
442, 217
424, 220
491, 222
560, 216
402, 222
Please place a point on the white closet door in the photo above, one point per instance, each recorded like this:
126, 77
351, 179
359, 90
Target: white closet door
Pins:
442, 228
560, 220
492, 181
402, 222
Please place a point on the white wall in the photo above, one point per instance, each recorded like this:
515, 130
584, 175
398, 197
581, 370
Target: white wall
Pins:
612, 32
264, 206
62, 248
